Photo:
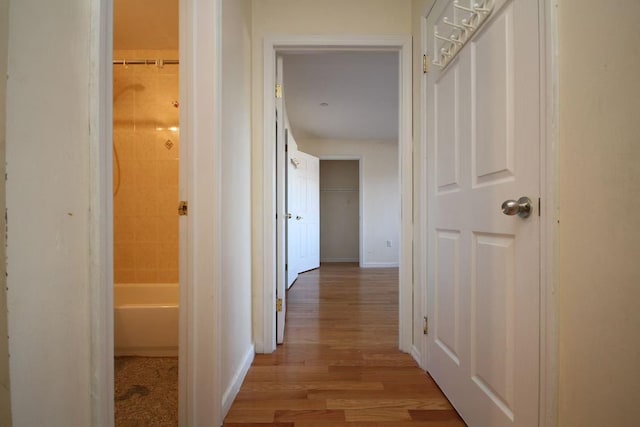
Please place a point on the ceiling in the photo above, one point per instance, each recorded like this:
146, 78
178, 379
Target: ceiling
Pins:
145, 24
360, 88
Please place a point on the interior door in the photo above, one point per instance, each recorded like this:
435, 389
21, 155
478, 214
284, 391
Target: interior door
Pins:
483, 266
294, 185
308, 215
281, 214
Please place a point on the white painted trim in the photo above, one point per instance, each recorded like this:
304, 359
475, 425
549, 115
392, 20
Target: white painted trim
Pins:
380, 265
340, 260
266, 338
200, 127
101, 218
405, 142
232, 391
423, 217
185, 271
549, 240
266, 342
416, 354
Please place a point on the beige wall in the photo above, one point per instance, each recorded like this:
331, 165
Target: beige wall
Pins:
5, 400
339, 211
306, 17
236, 194
599, 281
380, 194
48, 200
145, 170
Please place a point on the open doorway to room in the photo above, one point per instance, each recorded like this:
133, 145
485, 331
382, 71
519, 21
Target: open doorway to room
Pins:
146, 146
346, 104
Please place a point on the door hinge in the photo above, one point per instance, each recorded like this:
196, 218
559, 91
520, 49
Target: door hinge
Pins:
183, 208
425, 63
279, 305
278, 90
425, 328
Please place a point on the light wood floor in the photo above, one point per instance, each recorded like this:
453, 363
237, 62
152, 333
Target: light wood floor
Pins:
339, 365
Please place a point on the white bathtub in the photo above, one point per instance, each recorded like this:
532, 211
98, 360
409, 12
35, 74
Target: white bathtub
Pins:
146, 319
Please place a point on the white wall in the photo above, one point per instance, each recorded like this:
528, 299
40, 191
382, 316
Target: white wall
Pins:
237, 350
5, 400
305, 17
48, 185
380, 194
339, 211
599, 277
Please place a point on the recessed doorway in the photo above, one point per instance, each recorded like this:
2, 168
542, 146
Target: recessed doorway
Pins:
146, 158
340, 211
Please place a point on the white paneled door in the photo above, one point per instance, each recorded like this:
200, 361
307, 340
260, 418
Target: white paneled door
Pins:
308, 214
483, 284
303, 211
294, 186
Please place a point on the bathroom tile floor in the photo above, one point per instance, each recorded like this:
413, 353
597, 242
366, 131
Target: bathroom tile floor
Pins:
146, 391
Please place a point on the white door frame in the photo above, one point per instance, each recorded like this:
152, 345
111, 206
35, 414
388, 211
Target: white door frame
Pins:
549, 205
200, 107
360, 161
265, 333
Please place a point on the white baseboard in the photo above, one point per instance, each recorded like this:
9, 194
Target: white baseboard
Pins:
417, 356
340, 260
232, 390
379, 265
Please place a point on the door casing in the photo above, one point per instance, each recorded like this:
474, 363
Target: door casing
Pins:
265, 333
200, 302
549, 219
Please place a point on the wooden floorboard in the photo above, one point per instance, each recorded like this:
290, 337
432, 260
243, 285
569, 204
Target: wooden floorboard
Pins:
340, 364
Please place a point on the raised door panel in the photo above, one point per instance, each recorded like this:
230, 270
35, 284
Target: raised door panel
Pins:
446, 130
492, 318
447, 293
483, 118
493, 105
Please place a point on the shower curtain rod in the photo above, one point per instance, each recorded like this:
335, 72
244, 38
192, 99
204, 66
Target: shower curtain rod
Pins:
157, 62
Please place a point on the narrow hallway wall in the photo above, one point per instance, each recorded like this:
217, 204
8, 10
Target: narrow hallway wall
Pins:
599, 274
237, 349
5, 395
48, 154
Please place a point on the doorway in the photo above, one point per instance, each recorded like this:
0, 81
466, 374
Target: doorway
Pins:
340, 211
266, 314
146, 158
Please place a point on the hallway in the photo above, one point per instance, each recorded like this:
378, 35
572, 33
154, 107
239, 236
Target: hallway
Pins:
339, 365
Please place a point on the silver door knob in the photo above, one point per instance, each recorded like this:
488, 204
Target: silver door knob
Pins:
521, 207
298, 217
289, 216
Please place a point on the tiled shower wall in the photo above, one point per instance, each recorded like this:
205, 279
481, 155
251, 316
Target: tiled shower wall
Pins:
146, 140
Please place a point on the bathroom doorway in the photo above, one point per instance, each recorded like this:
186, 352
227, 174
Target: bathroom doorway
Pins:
146, 157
